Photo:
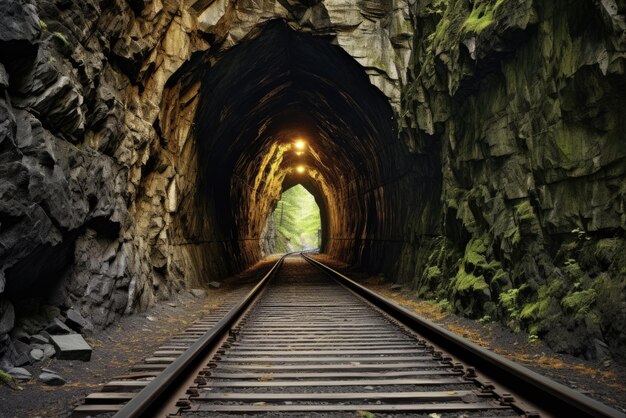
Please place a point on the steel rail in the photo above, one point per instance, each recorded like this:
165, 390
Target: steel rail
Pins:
147, 401
553, 397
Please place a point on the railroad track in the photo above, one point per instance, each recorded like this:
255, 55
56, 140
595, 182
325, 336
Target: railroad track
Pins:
307, 342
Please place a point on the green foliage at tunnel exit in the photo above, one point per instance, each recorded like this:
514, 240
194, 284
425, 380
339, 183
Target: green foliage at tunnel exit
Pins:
297, 221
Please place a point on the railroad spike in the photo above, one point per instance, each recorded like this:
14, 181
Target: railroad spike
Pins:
487, 387
470, 373
183, 404
506, 399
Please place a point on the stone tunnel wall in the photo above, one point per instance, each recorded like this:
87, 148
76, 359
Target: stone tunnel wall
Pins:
526, 100
99, 173
511, 113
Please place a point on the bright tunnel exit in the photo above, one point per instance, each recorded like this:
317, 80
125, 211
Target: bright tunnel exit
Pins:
295, 224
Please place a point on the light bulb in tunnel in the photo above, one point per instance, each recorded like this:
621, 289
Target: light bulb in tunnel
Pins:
299, 153
299, 144
300, 169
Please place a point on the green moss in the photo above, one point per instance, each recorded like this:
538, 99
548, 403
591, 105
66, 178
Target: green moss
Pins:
8, 380
579, 303
517, 237
482, 15
60, 37
436, 7
478, 20
508, 300
475, 252
524, 212
574, 272
442, 28
467, 281
501, 280
432, 273
536, 311
444, 304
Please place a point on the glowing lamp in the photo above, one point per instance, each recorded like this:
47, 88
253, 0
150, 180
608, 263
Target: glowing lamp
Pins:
300, 169
299, 144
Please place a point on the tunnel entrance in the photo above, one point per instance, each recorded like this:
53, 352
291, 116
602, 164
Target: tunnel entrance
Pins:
295, 224
255, 100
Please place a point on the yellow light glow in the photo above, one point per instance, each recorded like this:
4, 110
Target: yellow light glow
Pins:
300, 169
299, 153
299, 144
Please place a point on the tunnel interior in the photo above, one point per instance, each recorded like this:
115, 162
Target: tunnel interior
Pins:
277, 87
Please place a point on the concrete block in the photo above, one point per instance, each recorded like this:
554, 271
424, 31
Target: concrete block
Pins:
71, 347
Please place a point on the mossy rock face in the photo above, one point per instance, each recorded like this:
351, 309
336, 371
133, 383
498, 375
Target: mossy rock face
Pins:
521, 95
470, 290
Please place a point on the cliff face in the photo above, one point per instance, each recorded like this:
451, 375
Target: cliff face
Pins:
472, 149
526, 99
106, 200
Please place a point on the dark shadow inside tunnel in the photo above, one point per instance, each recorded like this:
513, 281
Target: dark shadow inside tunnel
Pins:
279, 87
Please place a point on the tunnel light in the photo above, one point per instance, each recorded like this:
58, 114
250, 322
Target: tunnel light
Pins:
300, 169
299, 144
299, 153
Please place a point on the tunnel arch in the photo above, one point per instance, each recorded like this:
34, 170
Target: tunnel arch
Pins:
279, 84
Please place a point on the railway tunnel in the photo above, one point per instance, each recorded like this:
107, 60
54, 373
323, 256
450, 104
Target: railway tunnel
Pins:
469, 152
280, 87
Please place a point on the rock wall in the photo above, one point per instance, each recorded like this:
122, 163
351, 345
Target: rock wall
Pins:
100, 173
501, 192
526, 99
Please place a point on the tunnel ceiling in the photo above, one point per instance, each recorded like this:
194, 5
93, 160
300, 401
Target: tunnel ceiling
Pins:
276, 86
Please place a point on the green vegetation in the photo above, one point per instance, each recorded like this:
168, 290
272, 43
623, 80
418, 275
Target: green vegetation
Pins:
60, 37
56, 34
580, 303
297, 221
482, 16
467, 281
8, 380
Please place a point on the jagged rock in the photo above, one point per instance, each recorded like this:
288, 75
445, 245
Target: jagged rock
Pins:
58, 327
48, 351
71, 347
39, 339
4, 77
508, 133
19, 353
215, 285
50, 312
20, 374
601, 350
76, 321
18, 333
7, 316
199, 293
33, 323
19, 26
36, 354
51, 379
